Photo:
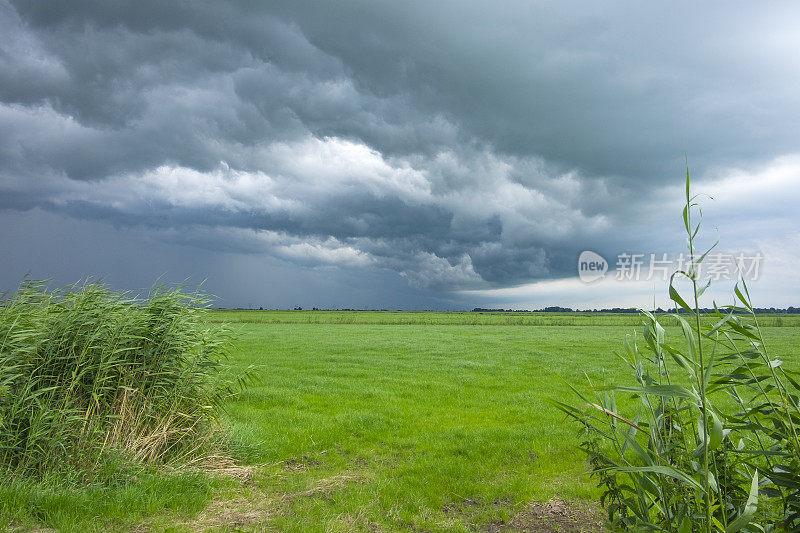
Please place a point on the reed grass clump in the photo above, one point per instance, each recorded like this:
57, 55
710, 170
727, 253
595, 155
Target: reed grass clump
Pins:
88, 373
707, 439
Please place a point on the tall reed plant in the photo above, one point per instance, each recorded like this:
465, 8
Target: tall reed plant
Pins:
707, 439
85, 372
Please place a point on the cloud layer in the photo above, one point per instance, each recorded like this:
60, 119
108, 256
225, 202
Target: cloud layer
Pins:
455, 146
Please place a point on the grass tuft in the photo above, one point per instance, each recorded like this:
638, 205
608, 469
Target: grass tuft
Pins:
87, 373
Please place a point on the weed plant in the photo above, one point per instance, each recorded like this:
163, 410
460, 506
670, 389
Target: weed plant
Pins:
709, 441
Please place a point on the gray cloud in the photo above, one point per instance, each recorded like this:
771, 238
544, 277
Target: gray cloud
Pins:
453, 146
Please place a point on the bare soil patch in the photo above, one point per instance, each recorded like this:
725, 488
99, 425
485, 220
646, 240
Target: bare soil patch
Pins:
555, 516
304, 462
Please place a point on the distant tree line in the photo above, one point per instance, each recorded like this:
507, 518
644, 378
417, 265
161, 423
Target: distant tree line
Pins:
550, 309
557, 309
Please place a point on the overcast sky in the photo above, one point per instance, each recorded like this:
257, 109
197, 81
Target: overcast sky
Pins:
384, 154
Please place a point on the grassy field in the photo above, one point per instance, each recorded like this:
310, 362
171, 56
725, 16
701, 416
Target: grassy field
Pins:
379, 422
454, 318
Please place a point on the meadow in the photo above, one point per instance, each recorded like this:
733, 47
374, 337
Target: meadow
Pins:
459, 318
379, 421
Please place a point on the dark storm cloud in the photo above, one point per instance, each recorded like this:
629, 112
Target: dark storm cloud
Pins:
611, 88
457, 144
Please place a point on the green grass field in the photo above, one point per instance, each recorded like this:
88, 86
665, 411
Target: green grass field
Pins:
378, 422
455, 318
